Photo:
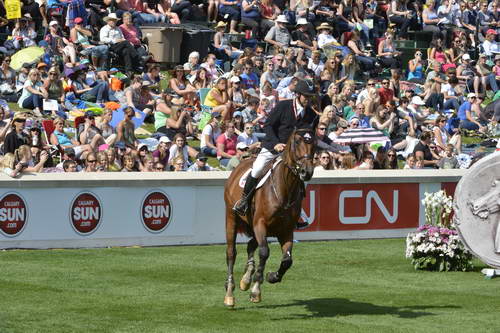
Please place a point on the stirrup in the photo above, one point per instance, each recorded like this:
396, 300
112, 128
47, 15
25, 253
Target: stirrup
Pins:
241, 206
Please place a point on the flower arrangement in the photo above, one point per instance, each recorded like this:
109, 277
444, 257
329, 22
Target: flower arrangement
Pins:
437, 249
436, 245
438, 208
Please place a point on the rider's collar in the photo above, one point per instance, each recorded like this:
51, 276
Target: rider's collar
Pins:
297, 108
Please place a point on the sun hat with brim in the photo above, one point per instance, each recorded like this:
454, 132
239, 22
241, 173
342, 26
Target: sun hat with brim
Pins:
41, 64
302, 21
323, 26
281, 19
305, 88
220, 25
110, 17
19, 116
497, 57
417, 100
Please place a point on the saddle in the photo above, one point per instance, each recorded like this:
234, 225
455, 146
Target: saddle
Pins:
268, 169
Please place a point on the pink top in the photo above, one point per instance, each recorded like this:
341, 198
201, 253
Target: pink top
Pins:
131, 34
229, 143
440, 57
137, 5
496, 70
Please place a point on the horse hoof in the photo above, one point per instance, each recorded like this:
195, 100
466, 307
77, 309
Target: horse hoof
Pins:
244, 285
273, 277
255, 298
229, 301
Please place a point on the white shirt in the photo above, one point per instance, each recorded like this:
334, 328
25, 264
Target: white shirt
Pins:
362, 95
208, 130
449, 89
286, 93
324, 39
490, 47
316, 68
299, 109
110, 35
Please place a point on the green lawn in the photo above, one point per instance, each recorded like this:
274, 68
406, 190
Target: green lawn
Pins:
338, 286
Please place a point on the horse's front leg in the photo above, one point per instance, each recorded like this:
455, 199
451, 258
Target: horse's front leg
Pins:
230, 256
250, 266
258, 278
286, 261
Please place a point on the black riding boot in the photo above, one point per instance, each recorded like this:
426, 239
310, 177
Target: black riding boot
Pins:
241, 207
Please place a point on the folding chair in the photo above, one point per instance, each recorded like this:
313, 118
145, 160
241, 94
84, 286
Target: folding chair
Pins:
78, 120
48, 129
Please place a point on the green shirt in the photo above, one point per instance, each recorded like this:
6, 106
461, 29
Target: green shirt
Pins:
160, 119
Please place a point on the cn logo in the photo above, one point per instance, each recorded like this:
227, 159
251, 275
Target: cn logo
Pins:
156, 211
371, 197
13, 215
85, 213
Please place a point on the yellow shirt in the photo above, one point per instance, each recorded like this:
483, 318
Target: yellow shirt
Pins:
209, 100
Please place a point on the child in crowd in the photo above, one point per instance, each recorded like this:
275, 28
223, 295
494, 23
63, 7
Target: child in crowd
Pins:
419, 164
449, 161
410, 162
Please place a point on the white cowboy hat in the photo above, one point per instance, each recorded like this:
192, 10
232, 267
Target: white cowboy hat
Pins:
323, 26
111, 16
281, 19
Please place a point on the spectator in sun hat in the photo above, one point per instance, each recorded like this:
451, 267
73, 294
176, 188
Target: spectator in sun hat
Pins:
303, 37
278, 35
201, 164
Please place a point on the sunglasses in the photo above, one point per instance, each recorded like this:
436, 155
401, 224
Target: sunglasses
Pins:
91, 161
202, 159
384, 83
159, 168
248, 128
370, 84
391, 155
52, 73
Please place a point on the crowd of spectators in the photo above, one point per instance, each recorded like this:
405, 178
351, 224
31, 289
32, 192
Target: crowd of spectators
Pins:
81, 106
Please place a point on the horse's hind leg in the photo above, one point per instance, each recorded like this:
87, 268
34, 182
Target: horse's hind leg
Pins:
230, 256
286, 261
250, 266
258, 278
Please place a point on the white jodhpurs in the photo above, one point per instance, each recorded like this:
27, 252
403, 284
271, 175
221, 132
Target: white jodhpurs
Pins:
261, 161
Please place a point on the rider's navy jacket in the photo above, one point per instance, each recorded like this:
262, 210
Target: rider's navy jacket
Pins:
282, 122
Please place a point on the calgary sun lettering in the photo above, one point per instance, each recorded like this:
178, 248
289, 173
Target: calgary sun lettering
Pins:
86, 212
156, 211
13, 214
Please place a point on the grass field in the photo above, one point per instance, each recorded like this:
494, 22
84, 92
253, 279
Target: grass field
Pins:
338, 286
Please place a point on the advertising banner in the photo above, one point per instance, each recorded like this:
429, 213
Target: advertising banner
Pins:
329, 207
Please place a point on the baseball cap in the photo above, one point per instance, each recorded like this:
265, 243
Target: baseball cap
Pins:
237, 114
53, 23
142, 145
491, 31
41, 64
164, 139
466, 57
201, 157
216, 114
342, 123
69, 151
235, 79
471, 95
120, 145
241, 145
89, 114
78, 20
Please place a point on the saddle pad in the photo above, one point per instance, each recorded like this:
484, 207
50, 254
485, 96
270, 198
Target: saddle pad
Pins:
263, 180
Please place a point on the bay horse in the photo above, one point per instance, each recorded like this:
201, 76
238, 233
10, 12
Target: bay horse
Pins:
274, 211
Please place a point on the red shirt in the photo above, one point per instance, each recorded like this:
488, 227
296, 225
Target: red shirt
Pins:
229, 144
130, 34
386, 95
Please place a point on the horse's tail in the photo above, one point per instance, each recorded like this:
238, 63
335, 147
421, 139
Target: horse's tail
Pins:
242, 227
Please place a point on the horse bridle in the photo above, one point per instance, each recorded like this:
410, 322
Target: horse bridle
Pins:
298, 164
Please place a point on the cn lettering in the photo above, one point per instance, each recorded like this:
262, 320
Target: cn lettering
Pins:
156, 211
371, 197
312, 209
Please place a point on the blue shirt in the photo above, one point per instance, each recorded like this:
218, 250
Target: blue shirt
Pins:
250, 80
467, 106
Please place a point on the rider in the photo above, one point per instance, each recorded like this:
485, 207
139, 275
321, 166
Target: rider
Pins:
287, 116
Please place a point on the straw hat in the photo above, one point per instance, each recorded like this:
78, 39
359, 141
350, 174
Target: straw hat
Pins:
110, 17
221, 24
323, 26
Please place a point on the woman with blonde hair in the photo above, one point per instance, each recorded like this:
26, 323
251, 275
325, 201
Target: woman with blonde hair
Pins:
349, 67
329, 118
23, 154
178, 164
371, 102
268, 75
348, 162
10, 167
33, 93
430, 18
102, 161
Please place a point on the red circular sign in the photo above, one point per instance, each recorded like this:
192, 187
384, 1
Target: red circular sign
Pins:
13, 214
156, 211
85, 213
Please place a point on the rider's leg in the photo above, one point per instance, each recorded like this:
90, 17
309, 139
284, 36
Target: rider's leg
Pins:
264, 156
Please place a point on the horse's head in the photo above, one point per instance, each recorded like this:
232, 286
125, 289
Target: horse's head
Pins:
488, 203
299, 153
